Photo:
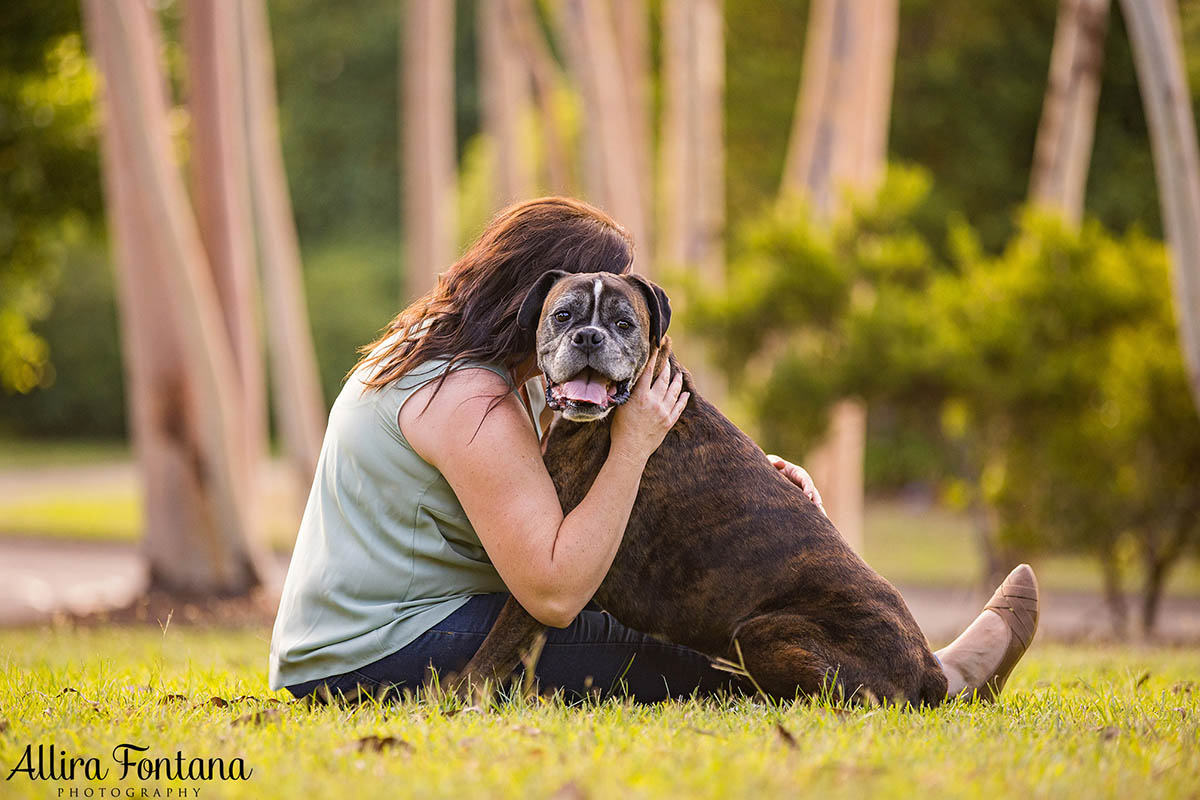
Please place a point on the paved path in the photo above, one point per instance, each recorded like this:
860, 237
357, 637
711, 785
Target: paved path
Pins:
42, 577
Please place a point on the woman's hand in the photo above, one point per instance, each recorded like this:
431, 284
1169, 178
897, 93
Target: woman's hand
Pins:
655, 404
799, 476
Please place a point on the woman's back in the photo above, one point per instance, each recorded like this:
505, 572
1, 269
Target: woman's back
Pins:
384, 551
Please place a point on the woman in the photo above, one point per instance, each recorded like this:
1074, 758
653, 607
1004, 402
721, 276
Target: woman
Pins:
431, 502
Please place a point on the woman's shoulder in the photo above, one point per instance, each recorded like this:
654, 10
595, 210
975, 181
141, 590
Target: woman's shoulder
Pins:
469, 396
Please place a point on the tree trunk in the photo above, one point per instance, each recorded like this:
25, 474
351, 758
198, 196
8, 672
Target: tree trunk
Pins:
693, 154
427, 130
692, 161
1159, 560
221, 192
298, 402
631, 26
839, 142
1158, 57
611, 173
1114, 595
839, 135
183, 377
1153, 583
548, 83
1064, 139
504, 81
995, 565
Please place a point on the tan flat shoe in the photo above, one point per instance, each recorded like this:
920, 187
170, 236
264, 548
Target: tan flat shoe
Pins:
1016, 601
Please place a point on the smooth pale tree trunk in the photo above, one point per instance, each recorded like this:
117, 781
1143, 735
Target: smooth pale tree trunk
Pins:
610, 162
507, 101
427, 131
692, 183
1064, 138
1158, 57
692, 158
839, 143
631, 28
221, 196
184, 398
548, 86
299, 406
839, 134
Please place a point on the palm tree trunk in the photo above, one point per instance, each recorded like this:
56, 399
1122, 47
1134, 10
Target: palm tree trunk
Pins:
692, 181
430, 216
505, 87
299, 406
1158, 57
631, 26
611, 173
1064, 137
548, 85
692, 161
183, 377
839, 142
221, 192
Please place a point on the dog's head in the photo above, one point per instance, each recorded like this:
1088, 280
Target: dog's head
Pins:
594, 333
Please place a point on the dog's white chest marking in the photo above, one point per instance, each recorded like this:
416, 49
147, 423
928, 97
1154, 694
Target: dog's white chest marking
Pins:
597, 290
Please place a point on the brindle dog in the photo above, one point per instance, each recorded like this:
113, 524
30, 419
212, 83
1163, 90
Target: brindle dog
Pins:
720, 548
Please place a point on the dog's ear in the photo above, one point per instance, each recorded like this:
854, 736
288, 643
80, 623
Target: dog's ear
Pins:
531, 307
659, 306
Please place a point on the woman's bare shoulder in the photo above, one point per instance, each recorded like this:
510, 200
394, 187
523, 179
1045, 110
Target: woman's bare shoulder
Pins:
469, 399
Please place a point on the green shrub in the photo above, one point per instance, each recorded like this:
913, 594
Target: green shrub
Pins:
1046, 381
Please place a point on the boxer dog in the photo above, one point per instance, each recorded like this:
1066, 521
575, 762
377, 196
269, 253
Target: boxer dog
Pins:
722, 553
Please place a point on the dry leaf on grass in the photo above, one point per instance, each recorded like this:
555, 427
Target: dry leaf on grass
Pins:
377, 744
785, 736
258, 717
528, 730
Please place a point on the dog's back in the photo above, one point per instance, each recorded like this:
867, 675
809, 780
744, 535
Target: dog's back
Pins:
720, 546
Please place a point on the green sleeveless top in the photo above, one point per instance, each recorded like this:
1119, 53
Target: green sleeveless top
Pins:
385, 551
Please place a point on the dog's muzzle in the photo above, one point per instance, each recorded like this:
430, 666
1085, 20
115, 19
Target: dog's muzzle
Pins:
588, 391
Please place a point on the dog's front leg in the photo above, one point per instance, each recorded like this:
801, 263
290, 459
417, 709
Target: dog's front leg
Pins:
513, 637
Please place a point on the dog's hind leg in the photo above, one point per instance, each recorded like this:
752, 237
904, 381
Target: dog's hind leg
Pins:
513, 635
786, 654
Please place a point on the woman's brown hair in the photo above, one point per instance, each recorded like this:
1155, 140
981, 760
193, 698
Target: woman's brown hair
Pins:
471, 315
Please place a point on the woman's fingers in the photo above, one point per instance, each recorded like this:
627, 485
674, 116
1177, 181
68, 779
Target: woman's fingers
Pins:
800, 477
680, 405
674, 387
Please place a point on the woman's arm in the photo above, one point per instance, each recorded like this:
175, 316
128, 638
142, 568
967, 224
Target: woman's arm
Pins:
552, 564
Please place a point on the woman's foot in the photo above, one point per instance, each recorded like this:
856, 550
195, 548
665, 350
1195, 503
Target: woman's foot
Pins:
979, 661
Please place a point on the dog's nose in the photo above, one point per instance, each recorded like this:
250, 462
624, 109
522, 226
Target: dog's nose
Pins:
588, 339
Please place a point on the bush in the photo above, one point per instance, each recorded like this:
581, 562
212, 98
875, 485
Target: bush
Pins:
1046, 381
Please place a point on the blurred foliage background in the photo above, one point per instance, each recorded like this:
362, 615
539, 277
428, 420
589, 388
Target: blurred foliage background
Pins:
968, 91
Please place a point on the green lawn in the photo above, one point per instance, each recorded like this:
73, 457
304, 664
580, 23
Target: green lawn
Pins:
1083, 723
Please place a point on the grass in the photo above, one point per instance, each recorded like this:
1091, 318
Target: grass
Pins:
98, 518
1088, 722
33, 453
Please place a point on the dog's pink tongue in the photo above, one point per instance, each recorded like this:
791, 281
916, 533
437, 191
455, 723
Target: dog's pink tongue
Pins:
586, 390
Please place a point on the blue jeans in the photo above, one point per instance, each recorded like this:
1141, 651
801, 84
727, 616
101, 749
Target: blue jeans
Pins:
595, 654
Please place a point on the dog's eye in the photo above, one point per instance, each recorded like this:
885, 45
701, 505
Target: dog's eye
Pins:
562, 316
624, 324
